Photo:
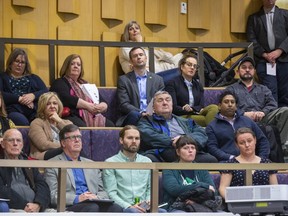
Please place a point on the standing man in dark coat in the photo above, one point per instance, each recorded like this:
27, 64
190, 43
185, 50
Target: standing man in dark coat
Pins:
268, 30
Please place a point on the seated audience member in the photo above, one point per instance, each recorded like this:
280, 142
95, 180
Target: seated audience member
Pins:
25, 188
80, 109
221, 131
20, 88
182, 188
163, 60
81, 184
257, 101
160, 132
44, 130
188, 94
136, 89
123, 186
246, 141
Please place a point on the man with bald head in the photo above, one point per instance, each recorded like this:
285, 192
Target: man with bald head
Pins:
25, 188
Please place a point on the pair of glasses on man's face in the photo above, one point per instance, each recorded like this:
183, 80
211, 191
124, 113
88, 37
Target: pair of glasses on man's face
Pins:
74, 137
189, 64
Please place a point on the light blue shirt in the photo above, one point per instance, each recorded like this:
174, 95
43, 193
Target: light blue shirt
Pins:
141, 82
123, 186
191, 97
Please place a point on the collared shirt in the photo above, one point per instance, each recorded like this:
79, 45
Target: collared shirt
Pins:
174, 128
123, 186
191, 97
270, 33
141, 82
231, 121
80, 181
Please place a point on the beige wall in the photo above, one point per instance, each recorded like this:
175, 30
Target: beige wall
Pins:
206, 21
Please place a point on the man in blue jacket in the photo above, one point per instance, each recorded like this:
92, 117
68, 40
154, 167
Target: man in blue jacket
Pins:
221, 131
160, 132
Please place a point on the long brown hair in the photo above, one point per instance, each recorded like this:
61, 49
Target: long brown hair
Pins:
65, 69
12, 57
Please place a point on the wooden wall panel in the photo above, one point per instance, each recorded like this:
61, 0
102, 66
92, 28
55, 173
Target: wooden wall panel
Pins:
156, 12
112, 9
25, 3
240, 10
69, 6
199, 14
219, 30
113, 69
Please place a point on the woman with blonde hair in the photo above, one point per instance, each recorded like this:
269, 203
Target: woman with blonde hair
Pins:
163, 60
44, 130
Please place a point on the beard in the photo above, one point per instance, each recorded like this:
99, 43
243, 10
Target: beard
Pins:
131, 149
246, 77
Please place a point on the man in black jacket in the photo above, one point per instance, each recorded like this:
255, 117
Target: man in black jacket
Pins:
268, 30
23, 188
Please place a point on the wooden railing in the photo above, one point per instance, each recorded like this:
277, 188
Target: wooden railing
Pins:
62, 166
53, 44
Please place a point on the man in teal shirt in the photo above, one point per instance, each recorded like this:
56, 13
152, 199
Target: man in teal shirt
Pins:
129, 188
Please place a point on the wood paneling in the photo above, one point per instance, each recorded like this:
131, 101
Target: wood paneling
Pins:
69, 6
199, 14
113, 69
25, 3
240, 10
112, 9
156, 12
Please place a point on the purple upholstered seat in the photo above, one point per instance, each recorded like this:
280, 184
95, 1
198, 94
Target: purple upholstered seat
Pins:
104, 143
211, 95
109, 95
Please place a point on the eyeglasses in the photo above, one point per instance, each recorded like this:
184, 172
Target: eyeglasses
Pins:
19, 62
13, 140
189, 64
74, 137
244, 67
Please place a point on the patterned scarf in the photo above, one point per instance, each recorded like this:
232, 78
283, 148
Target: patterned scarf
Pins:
91, 120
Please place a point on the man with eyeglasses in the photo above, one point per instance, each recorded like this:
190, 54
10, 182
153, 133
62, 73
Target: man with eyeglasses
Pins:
136, 89
160, 132
257, 102
84, 187
24, 188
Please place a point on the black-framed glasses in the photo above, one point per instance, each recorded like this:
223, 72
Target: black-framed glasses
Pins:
189, 64
73, 137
